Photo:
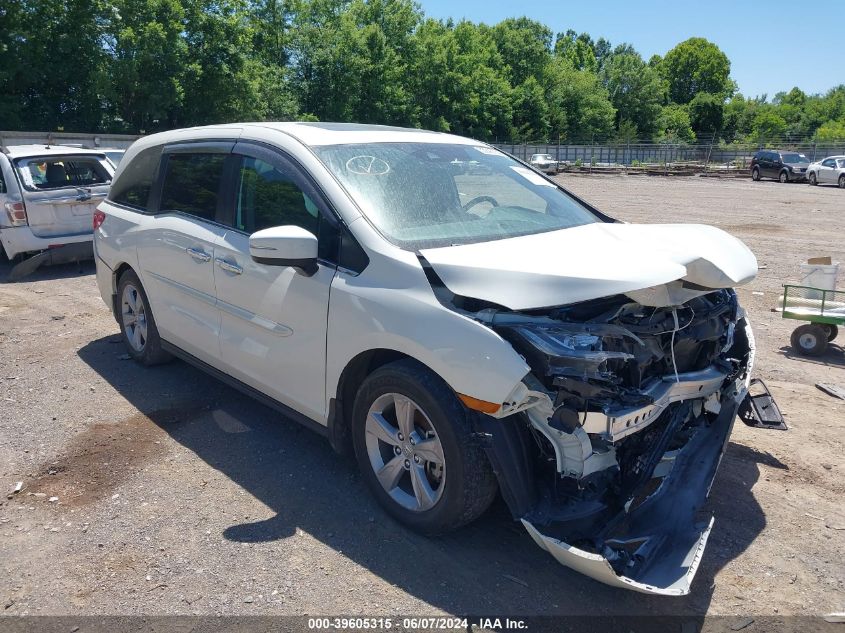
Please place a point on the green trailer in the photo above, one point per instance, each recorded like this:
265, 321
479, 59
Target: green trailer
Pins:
823, 309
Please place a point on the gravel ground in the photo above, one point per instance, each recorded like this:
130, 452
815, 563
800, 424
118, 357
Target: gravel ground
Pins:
175, 494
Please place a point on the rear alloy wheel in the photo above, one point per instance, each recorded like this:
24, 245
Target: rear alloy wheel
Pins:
414, 445
140, 334
812, 178
842, 181
810, 339
755, 174
784, 176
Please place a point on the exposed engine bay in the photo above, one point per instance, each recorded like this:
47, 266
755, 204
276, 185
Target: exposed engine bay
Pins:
607, 451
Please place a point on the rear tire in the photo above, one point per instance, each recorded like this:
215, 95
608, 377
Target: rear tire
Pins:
137, 324
812, 178
809, 339
399, 407
784, 177
755, 175
832, 331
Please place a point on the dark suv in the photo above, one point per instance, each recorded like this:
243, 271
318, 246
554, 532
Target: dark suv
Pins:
784, 166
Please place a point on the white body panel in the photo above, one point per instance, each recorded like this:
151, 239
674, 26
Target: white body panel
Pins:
175, 255
592, 261
273, 326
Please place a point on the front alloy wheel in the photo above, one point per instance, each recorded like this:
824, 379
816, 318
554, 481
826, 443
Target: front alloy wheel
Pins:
405, 452
812, 178
414, 444
784, 177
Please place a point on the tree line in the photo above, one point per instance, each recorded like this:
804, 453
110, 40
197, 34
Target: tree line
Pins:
139, 66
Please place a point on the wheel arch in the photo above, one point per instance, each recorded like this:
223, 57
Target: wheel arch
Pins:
116, 274
351, 379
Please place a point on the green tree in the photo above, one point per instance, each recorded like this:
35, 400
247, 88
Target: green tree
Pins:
767, 126
636, 91
54, 64
675, 125
148, 56
831, 131
579, 106
696, 65
578, 50
706, 112
525, 47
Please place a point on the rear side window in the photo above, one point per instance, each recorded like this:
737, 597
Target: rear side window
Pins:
2, 182
192, 184
57, 172
132, 188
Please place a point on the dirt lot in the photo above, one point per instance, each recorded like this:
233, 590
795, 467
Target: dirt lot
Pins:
178, 495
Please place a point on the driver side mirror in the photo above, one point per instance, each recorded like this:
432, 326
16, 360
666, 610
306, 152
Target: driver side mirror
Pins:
285, 246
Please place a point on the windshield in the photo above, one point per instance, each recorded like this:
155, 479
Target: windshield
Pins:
424, 195
795, 158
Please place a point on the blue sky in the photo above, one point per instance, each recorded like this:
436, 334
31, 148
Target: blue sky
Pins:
773, 45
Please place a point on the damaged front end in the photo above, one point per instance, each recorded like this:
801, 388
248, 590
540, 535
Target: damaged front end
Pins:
607, 451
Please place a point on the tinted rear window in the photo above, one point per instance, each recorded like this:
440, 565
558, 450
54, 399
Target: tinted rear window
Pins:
192, 184
57, 172
132, 188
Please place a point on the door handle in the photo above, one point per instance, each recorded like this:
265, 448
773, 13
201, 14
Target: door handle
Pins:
198, 254
228, 266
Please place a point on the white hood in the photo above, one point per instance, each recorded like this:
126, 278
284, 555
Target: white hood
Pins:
596, 260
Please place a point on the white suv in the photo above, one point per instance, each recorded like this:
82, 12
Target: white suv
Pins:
461, 331
47, 199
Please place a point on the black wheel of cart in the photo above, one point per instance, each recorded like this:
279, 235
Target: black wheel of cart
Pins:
810, 339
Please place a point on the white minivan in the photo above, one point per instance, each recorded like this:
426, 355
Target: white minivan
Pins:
462, 331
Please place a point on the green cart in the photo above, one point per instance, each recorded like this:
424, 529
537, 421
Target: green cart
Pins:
825, 311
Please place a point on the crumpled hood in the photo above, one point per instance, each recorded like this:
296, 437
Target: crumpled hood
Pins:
594, 261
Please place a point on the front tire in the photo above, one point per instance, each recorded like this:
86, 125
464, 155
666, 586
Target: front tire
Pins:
784, 177
413, 442
842, 181
812, 178
755, 175
137, 324
809, 339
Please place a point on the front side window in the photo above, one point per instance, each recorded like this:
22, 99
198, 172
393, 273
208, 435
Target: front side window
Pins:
420, 195
192, 183
268, 197
56, 172
132, 188
828, 163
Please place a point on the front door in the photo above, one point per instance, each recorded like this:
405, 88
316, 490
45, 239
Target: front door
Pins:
177, 248
827, 171
274, 318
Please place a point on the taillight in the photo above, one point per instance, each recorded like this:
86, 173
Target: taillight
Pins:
16, 212
99, 218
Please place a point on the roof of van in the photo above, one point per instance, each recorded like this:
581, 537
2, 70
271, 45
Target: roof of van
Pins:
319, 133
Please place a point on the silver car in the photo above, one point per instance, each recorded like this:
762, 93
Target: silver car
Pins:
830, 171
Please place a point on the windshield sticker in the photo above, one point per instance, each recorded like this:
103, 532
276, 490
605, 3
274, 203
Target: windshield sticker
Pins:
486, 150
367, 166
530, 176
